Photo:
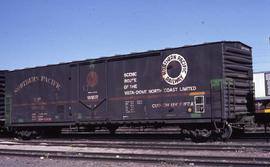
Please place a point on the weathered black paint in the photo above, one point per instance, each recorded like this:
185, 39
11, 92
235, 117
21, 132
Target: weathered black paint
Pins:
132, 88
39, 94
2, 96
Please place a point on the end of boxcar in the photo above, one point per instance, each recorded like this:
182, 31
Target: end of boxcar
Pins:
2, 100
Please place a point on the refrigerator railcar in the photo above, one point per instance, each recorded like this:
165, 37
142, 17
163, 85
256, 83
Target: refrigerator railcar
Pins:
201, 88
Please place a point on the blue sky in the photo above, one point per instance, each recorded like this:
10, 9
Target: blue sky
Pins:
41, 32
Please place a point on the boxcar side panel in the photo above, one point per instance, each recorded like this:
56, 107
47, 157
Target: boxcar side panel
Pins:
167, 85
39, 95
181, 84
92, 92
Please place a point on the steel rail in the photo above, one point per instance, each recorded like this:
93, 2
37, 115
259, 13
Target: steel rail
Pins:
147, 145
153, 158
144, 146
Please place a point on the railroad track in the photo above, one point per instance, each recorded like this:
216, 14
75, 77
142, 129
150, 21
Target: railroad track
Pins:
152, 158
210, 154
172, 145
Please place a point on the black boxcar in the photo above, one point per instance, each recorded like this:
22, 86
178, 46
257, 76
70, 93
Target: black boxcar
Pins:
2, 99
201, 88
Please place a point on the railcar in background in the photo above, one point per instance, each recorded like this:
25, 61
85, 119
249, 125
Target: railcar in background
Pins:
204, 90
262, 97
